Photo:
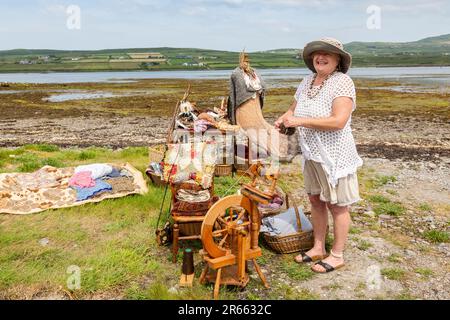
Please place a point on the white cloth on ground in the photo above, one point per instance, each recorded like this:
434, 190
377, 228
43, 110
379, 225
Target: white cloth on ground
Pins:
285, 223
98, 170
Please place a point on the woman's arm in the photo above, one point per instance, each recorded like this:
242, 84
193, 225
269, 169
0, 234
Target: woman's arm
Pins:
287, 114
341, 111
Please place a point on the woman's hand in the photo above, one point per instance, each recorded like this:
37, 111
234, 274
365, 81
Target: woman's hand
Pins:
291, 121
278, 122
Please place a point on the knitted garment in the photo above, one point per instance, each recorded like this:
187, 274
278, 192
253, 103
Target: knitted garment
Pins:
242, 91
87, 193
264, 137
82, 179
335, 150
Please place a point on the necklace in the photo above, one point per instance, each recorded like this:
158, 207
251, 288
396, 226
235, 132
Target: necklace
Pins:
314, 91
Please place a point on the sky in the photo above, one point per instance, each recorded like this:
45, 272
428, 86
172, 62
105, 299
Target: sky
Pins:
214, 24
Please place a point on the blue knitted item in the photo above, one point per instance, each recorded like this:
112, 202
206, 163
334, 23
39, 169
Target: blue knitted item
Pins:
86, 193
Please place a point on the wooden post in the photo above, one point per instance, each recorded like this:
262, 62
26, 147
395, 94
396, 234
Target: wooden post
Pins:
254, 218
261, 275
241, 255
176, 232
217, 284
203, 275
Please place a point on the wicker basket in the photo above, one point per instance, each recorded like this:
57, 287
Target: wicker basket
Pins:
184, 208
223, 170
156, 179
299, 241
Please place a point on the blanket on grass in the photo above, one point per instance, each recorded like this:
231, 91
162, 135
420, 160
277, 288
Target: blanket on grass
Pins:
48, 188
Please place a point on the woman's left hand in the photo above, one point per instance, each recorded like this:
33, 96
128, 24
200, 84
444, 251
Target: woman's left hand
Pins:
291, 121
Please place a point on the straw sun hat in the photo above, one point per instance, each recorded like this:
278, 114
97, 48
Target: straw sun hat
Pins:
329, 45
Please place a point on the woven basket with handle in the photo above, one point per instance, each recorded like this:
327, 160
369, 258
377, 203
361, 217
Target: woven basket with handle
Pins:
299, 241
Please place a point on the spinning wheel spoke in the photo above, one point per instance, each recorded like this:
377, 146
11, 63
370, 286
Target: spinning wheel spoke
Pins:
218, 232
223, 241
241, 214
220, 220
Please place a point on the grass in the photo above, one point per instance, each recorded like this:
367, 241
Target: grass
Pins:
437, 236
395, 258
394, 273
111, 242
363, 245
295, 271
424, 272
383, 205
425, 207
382, 180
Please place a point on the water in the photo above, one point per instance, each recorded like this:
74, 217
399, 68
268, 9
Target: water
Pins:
422, 75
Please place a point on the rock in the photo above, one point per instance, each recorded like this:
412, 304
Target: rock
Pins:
173, 290
385, 217
410, 253
44, 242
432, 165
369, 213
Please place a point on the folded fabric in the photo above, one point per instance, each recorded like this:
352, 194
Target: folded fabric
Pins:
82, 179
126, 173
121, 184
115, 173
86, 193
98, 170
285, 223
193, 196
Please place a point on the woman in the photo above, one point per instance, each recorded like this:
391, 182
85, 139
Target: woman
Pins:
247, 91
322, 110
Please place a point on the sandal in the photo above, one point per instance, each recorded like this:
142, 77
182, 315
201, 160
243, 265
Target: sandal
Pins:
328, 267
306, 258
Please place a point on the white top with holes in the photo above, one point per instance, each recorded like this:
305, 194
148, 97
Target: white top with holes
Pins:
335, 150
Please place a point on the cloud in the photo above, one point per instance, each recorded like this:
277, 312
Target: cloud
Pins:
194, 11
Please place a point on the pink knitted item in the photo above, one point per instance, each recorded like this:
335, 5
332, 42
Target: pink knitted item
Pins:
82, 179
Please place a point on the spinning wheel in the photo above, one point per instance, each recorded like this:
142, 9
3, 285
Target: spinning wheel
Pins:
230, 234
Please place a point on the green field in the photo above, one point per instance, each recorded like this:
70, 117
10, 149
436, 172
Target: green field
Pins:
433, 51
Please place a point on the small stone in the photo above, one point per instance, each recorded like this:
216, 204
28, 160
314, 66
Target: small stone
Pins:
385, 217
410, 253
44, 242
369, 213
173, 290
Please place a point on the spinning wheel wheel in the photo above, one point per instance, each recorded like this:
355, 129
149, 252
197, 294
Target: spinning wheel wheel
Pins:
221, 223
230, 234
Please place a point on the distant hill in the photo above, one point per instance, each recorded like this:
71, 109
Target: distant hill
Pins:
431, 45
425, 52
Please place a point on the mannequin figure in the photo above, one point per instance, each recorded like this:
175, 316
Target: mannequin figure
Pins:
247, 90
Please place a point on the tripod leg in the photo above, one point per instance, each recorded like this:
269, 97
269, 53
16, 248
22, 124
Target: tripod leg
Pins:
261, 275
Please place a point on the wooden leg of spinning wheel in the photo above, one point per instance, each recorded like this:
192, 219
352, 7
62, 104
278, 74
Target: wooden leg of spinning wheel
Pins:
217, 284
176, 232
203, 275
261, 275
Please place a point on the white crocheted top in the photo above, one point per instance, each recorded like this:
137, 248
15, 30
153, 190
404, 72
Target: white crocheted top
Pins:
335, 150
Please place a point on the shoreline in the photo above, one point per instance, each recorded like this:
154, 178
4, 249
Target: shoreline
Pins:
214, 69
